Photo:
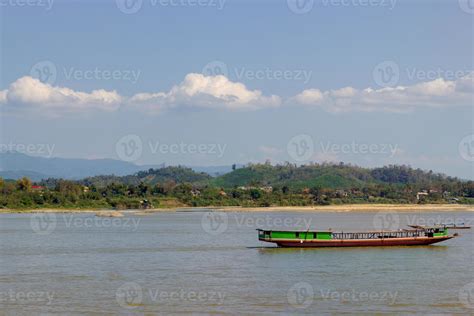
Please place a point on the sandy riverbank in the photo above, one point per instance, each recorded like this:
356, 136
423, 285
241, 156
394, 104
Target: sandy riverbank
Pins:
328, 208
94, 211
358, 208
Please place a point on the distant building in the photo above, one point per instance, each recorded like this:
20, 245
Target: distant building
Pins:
145, 204
422, 193
195, 192
267, 189
453, 200
341, 193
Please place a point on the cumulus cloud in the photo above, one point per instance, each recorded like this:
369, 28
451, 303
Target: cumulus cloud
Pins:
218, 92
436, 93
213, 92
197, 90
30, 92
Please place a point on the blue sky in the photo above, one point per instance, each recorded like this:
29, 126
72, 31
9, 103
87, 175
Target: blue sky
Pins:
295, 84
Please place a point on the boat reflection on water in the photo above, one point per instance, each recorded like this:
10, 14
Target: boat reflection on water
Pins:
294, 250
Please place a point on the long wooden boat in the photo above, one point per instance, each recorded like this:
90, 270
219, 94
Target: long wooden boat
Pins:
407, 237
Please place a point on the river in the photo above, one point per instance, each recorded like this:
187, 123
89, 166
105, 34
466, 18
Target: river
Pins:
201, 262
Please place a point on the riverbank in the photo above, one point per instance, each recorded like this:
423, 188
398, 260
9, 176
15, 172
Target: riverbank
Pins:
326, 208
94, 211
357, 208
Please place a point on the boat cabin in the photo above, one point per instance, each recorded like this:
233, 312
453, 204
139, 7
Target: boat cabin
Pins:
275, 234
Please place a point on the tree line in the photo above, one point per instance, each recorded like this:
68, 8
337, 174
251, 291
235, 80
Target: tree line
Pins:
257, 185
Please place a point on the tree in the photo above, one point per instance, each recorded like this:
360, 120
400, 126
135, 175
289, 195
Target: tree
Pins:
143, 189
68, 187
255, 194
234, 166
23, 184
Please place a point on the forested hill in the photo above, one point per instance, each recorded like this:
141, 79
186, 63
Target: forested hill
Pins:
331, 176
175, 175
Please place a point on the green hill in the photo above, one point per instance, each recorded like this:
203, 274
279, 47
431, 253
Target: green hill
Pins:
152, 176
332, 176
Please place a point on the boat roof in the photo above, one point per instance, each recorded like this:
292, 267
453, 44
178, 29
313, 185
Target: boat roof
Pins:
346, 232
296, 231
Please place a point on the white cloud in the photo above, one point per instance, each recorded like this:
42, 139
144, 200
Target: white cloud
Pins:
218, 92
30, 92
310, 96
213, 92
436, 93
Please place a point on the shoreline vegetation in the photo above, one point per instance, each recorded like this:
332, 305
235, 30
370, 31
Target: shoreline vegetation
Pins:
362, 208
264, 187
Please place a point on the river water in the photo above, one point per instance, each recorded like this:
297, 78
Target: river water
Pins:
212, 263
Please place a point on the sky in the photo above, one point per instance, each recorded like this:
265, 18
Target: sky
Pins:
217, 82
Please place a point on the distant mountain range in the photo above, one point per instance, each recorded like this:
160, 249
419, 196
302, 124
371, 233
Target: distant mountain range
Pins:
14, 165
